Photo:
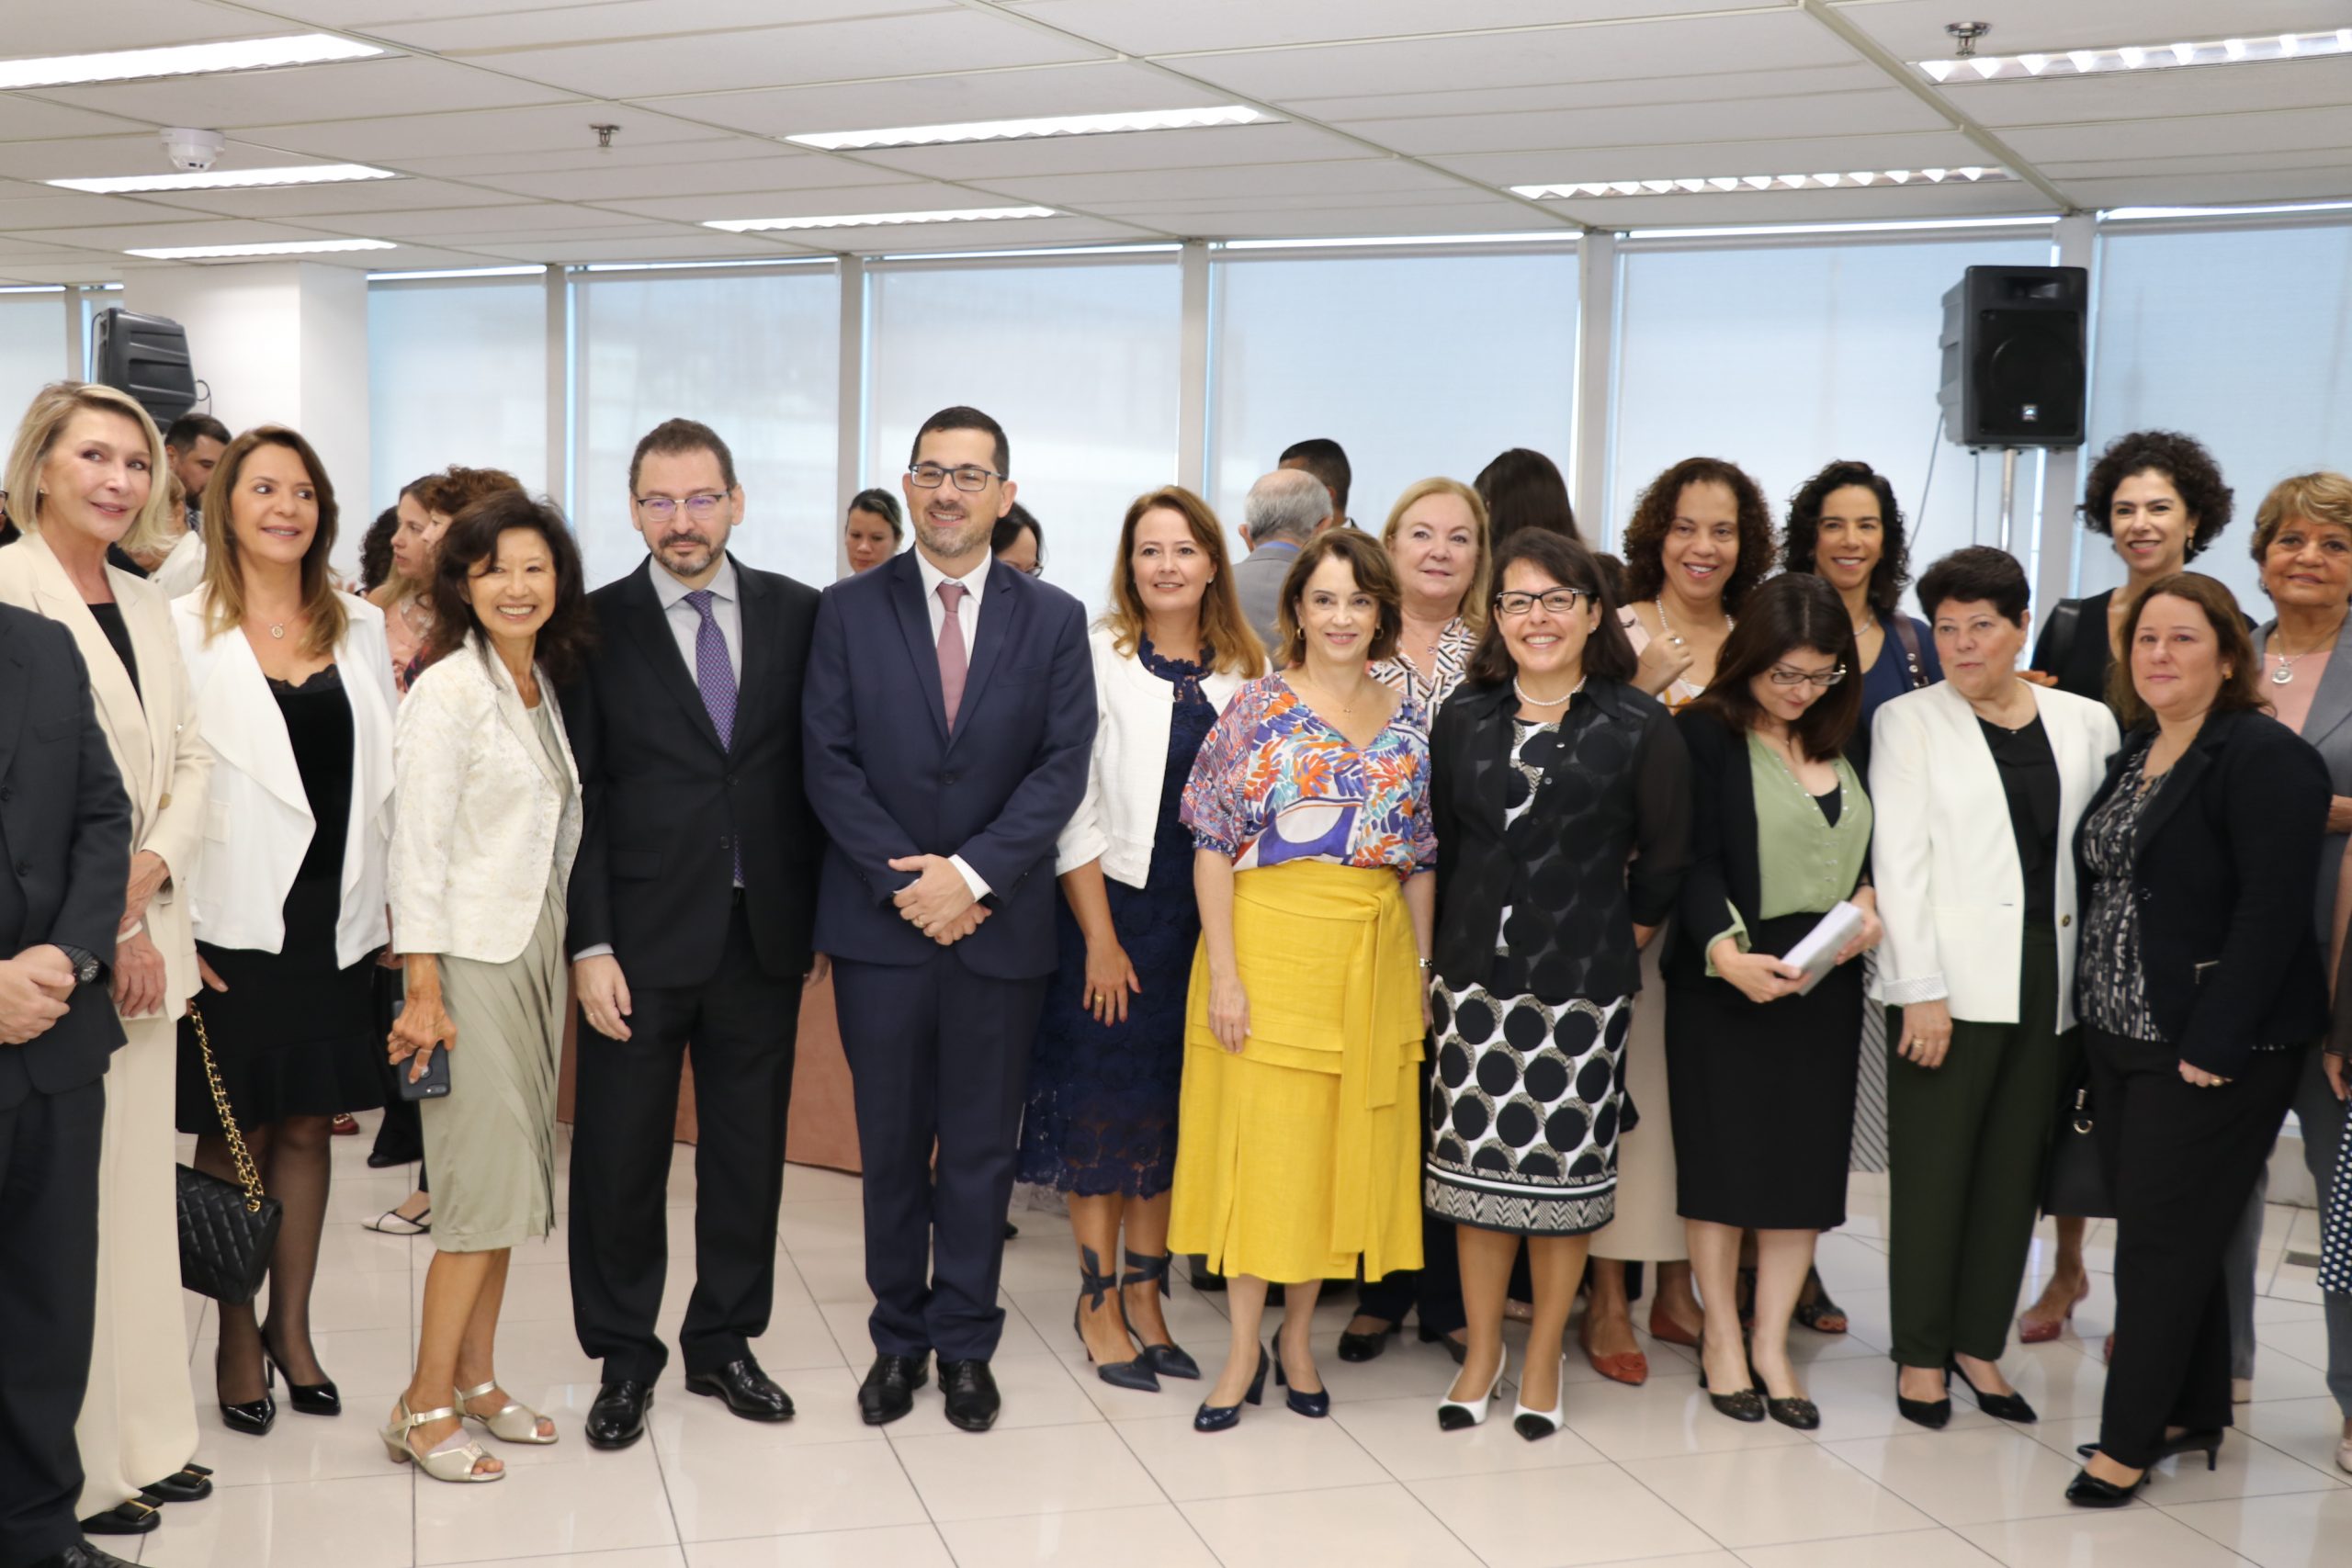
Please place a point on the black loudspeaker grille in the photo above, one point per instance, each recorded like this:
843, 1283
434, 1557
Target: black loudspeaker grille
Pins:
146, 356
2014, 355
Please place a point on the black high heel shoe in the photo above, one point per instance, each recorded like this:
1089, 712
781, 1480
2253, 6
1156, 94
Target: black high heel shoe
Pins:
307, 1398
2087, 1491
1314, 1405
1217, 1417
1741, 1404
1932, 1413
1169, 1360
254, 1417
2206, 1440
1094, 1287
2008, 1407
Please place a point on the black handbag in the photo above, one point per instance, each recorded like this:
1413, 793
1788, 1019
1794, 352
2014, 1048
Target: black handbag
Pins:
226, 1228
2074, 1182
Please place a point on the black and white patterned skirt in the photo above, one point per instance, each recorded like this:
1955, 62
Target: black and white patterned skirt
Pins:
1524, 1111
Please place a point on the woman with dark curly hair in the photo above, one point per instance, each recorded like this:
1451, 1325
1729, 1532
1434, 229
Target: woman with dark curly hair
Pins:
2159, 496
1700, 539
1844, 526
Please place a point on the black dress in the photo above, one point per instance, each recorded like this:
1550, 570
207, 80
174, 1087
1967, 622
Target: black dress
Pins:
294, 1034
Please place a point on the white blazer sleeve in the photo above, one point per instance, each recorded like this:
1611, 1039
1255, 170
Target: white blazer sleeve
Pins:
431, 739
1084, 837
1902, 802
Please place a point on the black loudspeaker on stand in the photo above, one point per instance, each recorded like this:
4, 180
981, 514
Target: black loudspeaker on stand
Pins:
2014, 348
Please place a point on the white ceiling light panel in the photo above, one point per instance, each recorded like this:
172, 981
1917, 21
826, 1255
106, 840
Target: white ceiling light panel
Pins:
183, 60
876, 220
274, 248
1733, 184
1030, 130
230, 179
2264, 50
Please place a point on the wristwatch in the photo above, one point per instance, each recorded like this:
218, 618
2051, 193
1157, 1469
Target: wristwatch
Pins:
85, 962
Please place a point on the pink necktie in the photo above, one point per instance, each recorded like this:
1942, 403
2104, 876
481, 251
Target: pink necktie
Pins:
952, 658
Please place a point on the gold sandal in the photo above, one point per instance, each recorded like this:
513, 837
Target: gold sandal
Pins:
454, 1459
512, 1423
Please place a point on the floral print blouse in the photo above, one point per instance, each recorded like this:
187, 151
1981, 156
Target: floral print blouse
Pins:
1274, 783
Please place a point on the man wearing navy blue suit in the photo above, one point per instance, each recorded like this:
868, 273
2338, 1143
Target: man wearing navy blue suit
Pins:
949, 712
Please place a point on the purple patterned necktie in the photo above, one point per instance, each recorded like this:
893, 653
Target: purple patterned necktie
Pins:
716, 678
952, 658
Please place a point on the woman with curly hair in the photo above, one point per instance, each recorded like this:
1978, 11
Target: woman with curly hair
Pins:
1844, 526
2158, 495
1699, 540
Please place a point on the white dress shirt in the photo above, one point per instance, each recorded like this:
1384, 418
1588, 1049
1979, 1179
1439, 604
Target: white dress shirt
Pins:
685, 621
968, 616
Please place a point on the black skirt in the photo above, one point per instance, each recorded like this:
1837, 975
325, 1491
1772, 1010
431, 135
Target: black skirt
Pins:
294, 1034
1763, 1095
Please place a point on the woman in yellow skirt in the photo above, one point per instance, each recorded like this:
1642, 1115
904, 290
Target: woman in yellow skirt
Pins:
1297, 1150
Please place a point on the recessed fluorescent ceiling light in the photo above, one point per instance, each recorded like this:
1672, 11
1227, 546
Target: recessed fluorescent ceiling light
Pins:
875, 220
230, 179
1024, 129
1973, 175
275, 248
182, 60
2140, 57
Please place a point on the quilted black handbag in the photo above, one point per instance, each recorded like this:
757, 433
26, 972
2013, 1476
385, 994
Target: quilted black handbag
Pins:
226, 1228
2074, 1182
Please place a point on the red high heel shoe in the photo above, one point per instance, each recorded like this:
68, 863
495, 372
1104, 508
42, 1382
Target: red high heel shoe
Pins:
2033, 1330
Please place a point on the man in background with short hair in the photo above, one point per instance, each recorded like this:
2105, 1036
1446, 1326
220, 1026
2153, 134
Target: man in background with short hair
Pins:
1328, 461
1284, 510
192, 446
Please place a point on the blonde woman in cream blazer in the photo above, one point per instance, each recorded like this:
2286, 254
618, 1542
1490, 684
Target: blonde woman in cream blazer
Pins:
1977, 783
137, 1429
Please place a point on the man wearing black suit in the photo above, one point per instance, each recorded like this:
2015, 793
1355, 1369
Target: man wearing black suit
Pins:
691, 904
64, 863
950, 716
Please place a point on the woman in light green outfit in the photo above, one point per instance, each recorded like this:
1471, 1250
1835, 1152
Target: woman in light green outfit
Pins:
487, 824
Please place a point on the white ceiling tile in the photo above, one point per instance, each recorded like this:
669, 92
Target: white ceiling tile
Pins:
357, 197
1852, 116
579, 248
70, 267
182, 228
2334, 160
777, 172
1541, 97
1490, 216
352, 89
1755, 42
566, 22
2285, 131
478, 166
455, 223
360, 16
2206, 90
1149, 26
912, 195
2214, 189
24, 118
944, 99
43, 207
1027, 233
794, 53
36, 30
1267, 179
389, 141
132, 152
1703, 160
1913, 30
1880, 203
1368, 201
1224, 145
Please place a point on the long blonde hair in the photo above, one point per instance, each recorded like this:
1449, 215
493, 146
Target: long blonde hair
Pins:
1233, 644
224, 576
158, 525
1473, 608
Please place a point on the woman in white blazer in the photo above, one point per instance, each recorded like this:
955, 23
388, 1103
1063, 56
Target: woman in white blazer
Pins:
481, 857
1978, 783
1108, 1067
293, 690
86, 472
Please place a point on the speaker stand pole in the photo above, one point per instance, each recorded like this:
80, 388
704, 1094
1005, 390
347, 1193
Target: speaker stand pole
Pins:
2008, 490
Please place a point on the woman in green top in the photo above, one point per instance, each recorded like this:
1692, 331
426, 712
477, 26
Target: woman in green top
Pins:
1762, 1077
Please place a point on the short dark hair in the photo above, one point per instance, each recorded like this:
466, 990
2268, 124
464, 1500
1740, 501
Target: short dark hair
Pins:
1007, 532
563, 643
1608, 651
1977, 574
376, 549
1801, 526
1644, 541
963, 418
2183, 460
191, 428
2240, 689
883, 505
1613, 576
1328, 461
1794, 609
674, 438
1522, 489
1369, 564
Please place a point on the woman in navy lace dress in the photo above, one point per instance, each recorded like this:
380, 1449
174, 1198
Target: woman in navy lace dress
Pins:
1109, 1062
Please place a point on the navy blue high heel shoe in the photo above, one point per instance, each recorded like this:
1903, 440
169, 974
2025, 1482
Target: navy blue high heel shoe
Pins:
1094, 1287
1169, 1360
1317, 1405
1217, 1417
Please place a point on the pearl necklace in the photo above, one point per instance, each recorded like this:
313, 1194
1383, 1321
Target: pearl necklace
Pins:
1557, 702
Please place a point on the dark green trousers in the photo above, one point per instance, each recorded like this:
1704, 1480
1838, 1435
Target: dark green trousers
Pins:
1965, 1146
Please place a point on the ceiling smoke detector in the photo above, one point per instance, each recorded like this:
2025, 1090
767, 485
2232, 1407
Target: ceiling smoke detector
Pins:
191, 149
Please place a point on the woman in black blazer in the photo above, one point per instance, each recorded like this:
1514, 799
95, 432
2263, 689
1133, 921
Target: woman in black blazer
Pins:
1547, 773
2199, 979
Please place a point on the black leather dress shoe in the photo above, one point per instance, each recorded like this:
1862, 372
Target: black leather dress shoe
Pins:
189, 1483
618, 1418
80, 1555
972, 1399
1366, 1346
137, 1517
888, 1391
749, 1391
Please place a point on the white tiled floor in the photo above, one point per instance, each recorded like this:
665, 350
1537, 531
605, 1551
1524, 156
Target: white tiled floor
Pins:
1081, 1472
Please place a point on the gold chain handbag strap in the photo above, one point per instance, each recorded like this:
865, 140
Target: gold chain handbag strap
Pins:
248, 1174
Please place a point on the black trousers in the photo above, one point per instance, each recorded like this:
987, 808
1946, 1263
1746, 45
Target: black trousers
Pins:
49, 1286
939, 1058
2180, 1160
400, 1136
742, 1025
1434, 1290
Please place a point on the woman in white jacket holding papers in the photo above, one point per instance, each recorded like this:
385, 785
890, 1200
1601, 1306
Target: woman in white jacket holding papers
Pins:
1978, 783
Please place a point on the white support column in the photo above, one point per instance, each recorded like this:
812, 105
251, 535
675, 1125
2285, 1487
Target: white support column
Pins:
77, 367
1193, 370
850, 403
559, 368
2053, 576
1596, 354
